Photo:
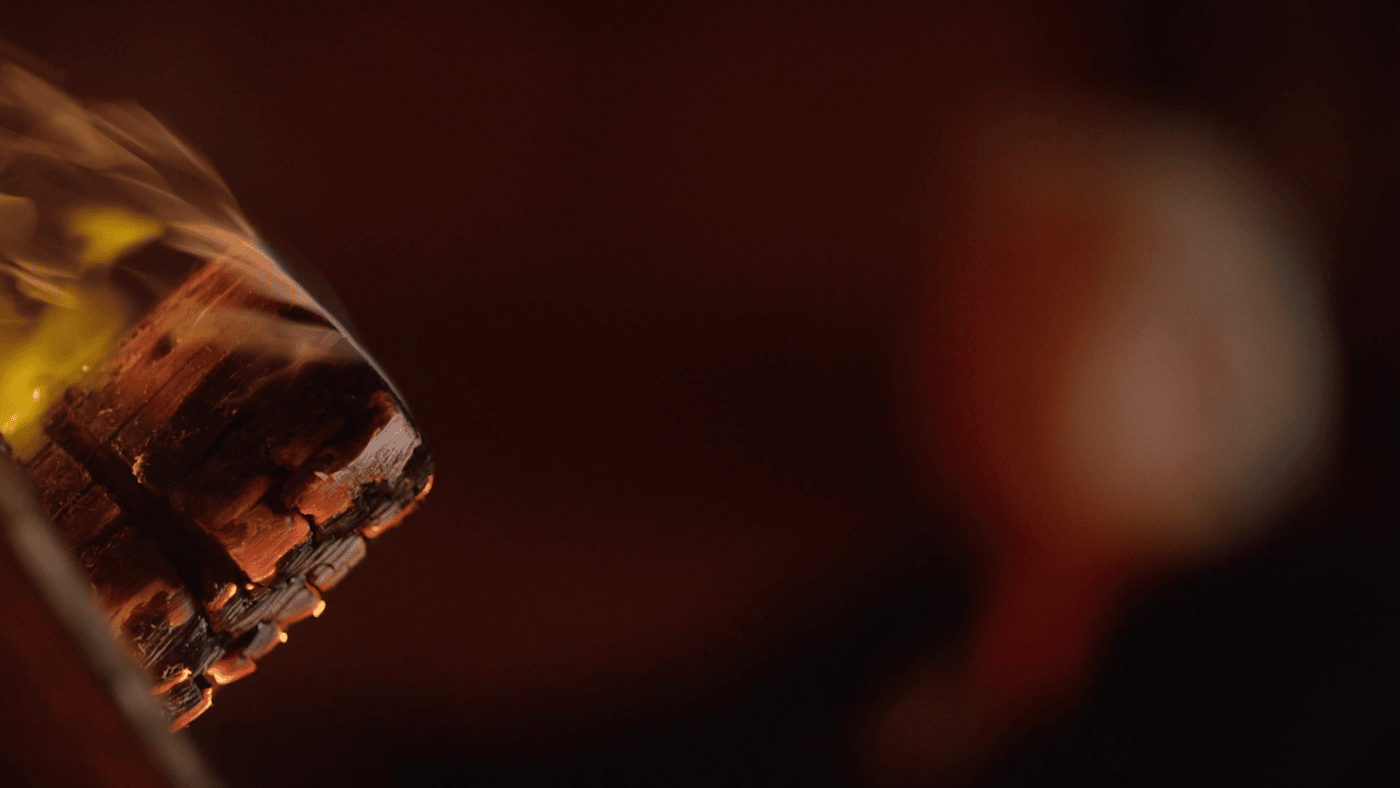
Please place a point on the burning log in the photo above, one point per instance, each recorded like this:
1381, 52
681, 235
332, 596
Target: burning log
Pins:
212, 494
220, 463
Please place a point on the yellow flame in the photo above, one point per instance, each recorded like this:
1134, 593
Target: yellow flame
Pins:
76, 330
110, 232
40, 363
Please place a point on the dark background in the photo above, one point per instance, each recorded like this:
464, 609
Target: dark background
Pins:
642, 271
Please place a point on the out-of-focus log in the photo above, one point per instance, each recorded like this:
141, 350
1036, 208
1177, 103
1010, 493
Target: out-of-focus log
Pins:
74, 710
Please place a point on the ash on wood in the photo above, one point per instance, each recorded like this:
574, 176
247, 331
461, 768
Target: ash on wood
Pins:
214, 484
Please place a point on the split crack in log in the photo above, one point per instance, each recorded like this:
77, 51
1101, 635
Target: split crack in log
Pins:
198, 558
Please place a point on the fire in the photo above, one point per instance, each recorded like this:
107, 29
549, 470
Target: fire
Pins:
39, 364
96, 329
84, 185
78, 325
110, 232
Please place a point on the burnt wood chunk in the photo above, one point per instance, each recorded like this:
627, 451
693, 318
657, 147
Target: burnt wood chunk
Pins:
214, 482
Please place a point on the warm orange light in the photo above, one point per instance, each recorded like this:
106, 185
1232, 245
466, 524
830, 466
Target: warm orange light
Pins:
222, 598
